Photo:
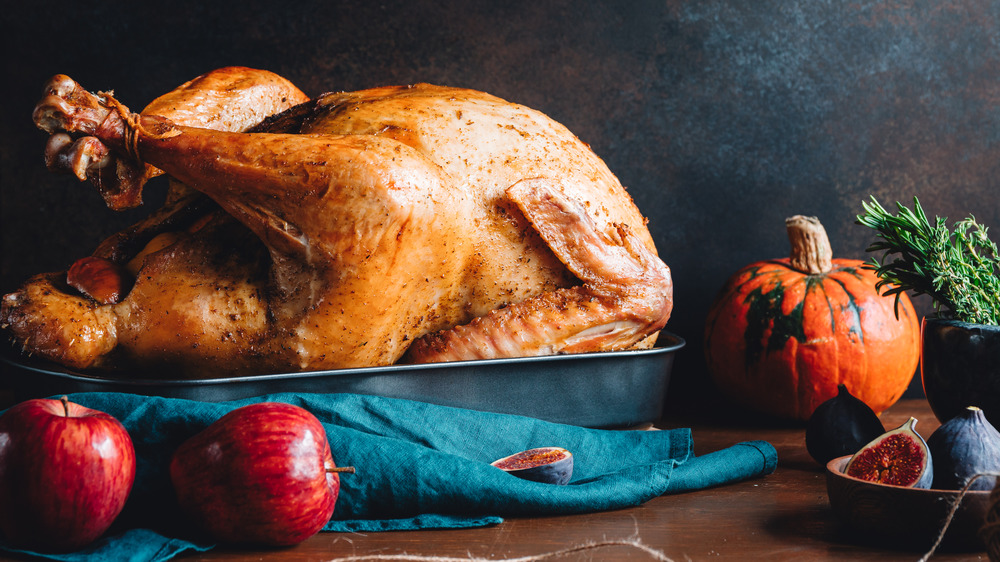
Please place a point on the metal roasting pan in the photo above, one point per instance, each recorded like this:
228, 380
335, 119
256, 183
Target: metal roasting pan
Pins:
601, 390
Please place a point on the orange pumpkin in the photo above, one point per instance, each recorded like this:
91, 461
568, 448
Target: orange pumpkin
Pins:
782, 334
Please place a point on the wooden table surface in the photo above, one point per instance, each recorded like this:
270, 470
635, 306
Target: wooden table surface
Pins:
783, 516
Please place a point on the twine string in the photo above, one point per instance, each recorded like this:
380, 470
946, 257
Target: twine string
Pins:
590, 546
988, 531
133, 126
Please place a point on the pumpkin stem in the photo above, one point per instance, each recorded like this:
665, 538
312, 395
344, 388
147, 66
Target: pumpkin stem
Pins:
811, 251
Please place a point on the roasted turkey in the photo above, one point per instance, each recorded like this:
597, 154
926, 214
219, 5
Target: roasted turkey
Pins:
414, 223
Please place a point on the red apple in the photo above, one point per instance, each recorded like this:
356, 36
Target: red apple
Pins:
261, 474
65, 473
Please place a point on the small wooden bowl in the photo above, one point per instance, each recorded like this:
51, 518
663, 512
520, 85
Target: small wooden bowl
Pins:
910, 517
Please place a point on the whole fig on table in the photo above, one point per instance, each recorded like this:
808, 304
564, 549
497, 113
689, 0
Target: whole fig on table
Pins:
548, 465
964, 446
899, 457
841, 426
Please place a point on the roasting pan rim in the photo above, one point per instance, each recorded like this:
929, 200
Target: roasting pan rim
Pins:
631, 385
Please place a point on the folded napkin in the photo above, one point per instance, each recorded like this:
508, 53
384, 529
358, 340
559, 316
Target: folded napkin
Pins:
419, 466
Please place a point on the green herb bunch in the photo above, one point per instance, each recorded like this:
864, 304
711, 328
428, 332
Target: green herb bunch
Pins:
959, 269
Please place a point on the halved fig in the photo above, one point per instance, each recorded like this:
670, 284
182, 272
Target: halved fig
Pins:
899, 457
549, 465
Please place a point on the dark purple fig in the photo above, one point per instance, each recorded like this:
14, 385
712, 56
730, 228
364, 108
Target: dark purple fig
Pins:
841, 426
899, 457
549, 465
964, 446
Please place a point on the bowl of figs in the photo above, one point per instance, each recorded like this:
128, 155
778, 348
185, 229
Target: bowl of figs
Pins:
896, 488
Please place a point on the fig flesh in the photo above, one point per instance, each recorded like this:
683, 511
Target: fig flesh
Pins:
964, 446
841, 426
899, 457
548, 465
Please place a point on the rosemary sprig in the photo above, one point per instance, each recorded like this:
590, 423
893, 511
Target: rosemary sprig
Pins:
959, 270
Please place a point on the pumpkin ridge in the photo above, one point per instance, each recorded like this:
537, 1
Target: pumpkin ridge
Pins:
850, 270
763, 310
732, 289
728, 291
788, 326
855, 310
818, 281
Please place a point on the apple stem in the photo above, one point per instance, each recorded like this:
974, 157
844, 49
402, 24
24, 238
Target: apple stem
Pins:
65, 403
348, 469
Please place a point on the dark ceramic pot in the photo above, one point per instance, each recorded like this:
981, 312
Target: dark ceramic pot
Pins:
960, 367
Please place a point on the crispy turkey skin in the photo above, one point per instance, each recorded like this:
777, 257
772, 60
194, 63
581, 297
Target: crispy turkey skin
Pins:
415, 223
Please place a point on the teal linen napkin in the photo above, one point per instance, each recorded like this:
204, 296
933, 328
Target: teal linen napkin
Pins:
419, 466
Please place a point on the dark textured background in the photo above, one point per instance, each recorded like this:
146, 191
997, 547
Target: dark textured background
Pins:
722, 117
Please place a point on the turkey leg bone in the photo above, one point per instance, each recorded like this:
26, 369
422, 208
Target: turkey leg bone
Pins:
226, 99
